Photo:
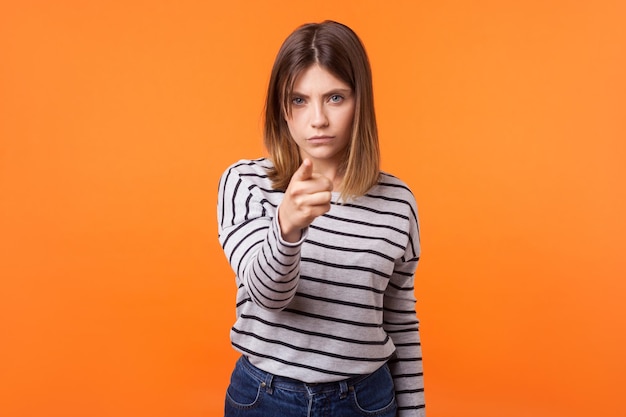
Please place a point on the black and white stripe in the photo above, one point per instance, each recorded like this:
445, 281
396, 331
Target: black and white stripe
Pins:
338, 303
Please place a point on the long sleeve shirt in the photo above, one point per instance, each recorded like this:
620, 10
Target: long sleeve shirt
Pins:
339, 302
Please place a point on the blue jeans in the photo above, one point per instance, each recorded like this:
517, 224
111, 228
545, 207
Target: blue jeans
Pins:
255, 393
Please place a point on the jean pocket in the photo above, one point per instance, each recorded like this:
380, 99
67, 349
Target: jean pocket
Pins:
244, 390
375, 395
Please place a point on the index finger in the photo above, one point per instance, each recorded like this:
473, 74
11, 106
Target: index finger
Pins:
305, 172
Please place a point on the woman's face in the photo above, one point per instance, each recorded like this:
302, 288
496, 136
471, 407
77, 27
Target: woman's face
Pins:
322, 110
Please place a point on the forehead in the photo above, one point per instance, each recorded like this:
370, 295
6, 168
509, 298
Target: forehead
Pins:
315, 78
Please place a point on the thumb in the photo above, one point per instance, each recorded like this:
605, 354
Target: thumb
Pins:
305, 171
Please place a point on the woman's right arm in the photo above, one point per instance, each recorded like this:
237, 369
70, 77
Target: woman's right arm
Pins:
266, 264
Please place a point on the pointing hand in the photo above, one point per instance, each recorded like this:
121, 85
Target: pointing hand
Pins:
307, 197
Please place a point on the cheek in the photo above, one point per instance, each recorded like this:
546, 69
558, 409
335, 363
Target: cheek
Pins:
294, 123
347, 114
292, 127
346, 119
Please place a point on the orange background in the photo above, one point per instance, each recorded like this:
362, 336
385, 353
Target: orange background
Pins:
117, 118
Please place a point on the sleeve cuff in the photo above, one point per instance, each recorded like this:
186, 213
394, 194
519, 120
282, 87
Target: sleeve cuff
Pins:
303, 236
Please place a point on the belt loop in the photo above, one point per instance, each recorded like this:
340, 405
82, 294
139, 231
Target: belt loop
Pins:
343, 389
267, 384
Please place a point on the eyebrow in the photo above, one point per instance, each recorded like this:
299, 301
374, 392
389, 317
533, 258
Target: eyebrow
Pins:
345, 91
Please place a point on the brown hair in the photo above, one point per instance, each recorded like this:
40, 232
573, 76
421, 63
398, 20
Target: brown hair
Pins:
336, 48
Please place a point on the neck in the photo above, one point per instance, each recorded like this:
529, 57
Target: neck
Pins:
331, 171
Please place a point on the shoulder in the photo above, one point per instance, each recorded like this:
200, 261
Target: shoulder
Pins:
400, 197
393, 187
391, 195
253, 171
250, 167
248, 176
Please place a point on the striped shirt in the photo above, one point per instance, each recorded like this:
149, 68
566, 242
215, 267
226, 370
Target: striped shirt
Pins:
338, 303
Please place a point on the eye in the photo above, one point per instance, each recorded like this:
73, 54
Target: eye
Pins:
336, 98
297, 101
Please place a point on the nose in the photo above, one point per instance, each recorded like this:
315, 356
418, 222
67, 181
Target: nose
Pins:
318, 116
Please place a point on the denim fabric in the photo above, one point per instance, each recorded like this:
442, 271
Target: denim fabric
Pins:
255, 393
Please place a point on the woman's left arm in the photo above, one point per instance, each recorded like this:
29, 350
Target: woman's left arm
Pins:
401, 324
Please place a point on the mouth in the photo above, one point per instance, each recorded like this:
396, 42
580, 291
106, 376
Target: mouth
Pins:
320, 139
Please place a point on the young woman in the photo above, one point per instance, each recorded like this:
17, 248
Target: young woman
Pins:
324, 247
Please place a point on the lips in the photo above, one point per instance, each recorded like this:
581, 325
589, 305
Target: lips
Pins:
320, 139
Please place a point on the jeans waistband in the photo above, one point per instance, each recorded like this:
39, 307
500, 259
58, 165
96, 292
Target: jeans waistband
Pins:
275, 381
